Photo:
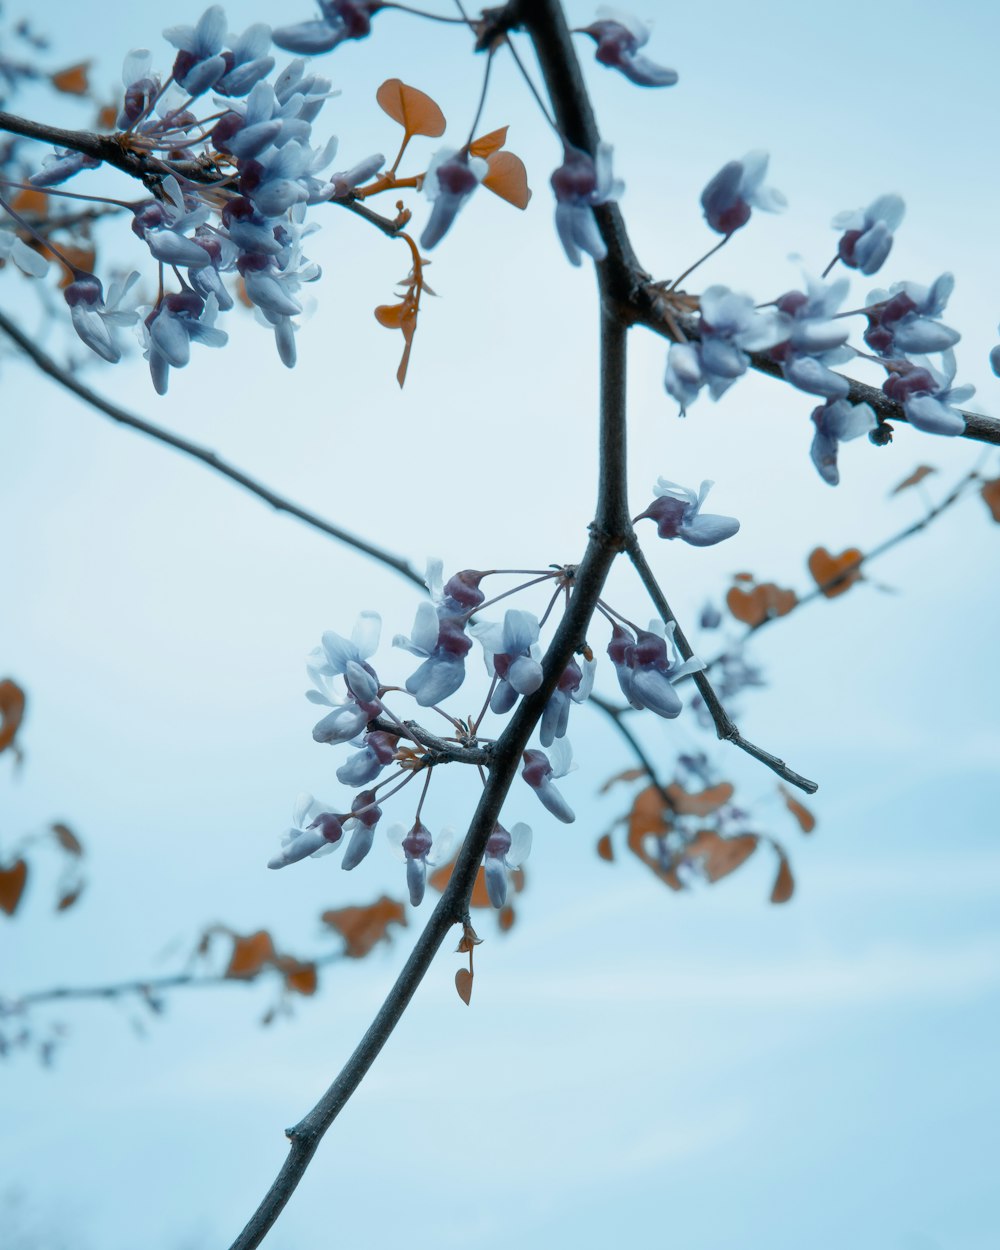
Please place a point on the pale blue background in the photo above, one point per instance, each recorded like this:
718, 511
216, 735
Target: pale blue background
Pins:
705, 1071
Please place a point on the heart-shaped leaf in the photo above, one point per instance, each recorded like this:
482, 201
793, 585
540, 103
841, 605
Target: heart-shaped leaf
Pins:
835, 574
463, 983
416, 112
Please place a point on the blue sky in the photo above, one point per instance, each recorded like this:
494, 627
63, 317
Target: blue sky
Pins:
705, 1070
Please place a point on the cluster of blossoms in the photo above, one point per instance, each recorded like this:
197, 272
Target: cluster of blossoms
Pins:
387, 751
232, 201
805, 333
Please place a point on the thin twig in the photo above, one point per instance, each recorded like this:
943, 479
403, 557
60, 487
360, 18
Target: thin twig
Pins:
207, 457
725, 727
607, 536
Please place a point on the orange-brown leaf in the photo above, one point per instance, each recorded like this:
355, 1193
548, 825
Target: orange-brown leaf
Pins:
72, 80
416, 112
391, 315
918, 475
12, 701
463, 983
12, 882
648, 814
605, 849
250, 954
991, 497
506, 918
720, 856
30, 202
743, 577
486, 145
784, 883
67, 839
763, 602
630, 774
362, 928
702, 803
508, 178
300, 975
69, 897
807, 821
835, 574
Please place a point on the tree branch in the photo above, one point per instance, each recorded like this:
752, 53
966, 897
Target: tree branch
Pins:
205, 456
725, 727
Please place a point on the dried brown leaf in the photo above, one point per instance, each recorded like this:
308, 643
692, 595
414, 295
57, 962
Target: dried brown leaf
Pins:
250, 955
463, 983
506, 918
605, 848
415, 111
362, 928
507, 178
784, 883
760, 604
12, 701
67, 839
918, 475
486, 145
12, 883
835, 574
69, 897
991, 497
300, 975
807, 821
630, 774
702, 803
72, 80
720, 856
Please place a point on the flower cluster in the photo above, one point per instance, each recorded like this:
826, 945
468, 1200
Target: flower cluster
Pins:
231, 206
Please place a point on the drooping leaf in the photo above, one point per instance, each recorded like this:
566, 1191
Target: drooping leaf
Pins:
250, 955
605, 848
12, 883
72, 80
720, 856
702, 803
760, 604
390, 315
508, 178
12, 701
69, 897
991, 497
362, 928
630, 774
505, 918
300, 976
30, 202
648, 814
486, 145
918, 475
835, 574
416, 112
67, 839
784, 883
463, 983
807, 821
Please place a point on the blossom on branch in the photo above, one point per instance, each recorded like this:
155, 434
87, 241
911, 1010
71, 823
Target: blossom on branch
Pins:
837, 421
927, 396
540, 770
816, 339
580, 184
314, 831
504, 852
904, 319
199, 63
737, 189
450, 180
867, 240
512, 654
729, 327
677, 513
340, 20
645, 670
94, 318
619, 36
573, 686
421, 852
